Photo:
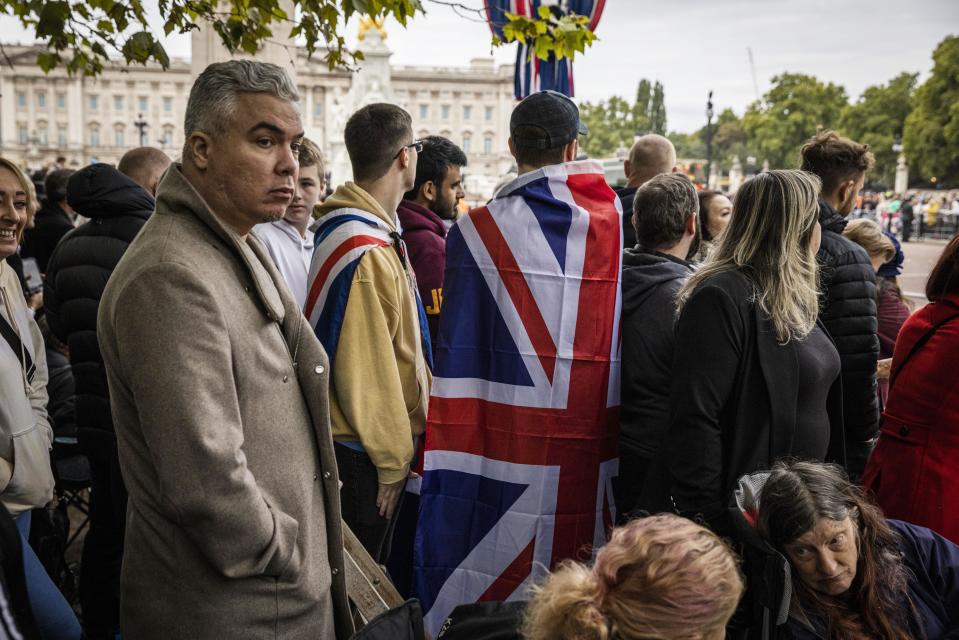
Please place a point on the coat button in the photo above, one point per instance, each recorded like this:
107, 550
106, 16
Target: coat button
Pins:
286, 378
335, 571
314, 477
319, 368
327, 475
904, 431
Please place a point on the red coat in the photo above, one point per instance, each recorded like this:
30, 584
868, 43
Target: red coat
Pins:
914, 469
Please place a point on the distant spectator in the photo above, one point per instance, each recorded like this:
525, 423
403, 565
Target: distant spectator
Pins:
658, 577
715, 210
54, 220
650, 156
848, 286
906, 217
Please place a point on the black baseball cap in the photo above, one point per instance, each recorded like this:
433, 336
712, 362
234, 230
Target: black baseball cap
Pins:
553, 115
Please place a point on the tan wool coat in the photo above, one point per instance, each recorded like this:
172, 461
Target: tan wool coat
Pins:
219, 396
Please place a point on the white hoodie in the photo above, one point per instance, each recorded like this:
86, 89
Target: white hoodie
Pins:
26, 479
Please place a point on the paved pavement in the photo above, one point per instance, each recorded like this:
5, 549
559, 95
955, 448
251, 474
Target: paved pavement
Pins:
921, 257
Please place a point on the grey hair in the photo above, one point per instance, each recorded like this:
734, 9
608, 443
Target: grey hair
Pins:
213, 98
661, 209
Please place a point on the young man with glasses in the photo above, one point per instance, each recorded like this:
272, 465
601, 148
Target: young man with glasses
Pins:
363, 305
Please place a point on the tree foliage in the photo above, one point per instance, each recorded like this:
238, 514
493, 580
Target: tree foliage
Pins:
878, 118
615, 122
931, 135
562, 35
794, 108
83, 35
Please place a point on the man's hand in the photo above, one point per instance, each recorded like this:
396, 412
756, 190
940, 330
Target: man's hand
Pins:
388, 496
883, 368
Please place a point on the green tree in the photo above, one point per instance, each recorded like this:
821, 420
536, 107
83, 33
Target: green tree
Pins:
878, 118
729, 139
82, 35
931, 135
644, 96
688, 145
611, 126
656, 114
794, 108
613, 123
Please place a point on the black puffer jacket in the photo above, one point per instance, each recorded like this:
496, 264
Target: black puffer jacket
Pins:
848, 310
78, 272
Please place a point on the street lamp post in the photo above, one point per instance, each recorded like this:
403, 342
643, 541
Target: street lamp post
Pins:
709, 136
141, 126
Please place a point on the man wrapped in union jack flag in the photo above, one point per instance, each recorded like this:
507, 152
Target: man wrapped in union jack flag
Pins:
363, 305
521, 443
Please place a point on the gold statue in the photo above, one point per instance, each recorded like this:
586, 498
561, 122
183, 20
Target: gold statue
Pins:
368, 23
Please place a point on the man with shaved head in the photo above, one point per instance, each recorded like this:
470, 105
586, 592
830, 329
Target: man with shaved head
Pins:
650, 156
145, 166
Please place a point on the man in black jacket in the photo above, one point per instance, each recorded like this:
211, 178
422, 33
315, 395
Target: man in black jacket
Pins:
848, 288
118, 206
54, 220
666, 225
650, 156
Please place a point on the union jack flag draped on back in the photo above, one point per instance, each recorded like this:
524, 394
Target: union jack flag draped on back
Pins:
523, 423
341, 238
533, 74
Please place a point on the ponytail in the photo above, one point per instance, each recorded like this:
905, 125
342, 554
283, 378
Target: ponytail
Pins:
566, 606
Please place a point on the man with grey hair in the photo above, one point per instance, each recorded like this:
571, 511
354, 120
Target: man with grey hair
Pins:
650, 156
665, 219
219, 390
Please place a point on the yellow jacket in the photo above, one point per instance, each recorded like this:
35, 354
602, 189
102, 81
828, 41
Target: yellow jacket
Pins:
380, 384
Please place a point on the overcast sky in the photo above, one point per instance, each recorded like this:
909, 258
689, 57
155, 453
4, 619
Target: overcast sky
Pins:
692, 46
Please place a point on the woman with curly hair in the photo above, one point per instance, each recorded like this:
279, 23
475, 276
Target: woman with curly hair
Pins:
658, 578
856, 574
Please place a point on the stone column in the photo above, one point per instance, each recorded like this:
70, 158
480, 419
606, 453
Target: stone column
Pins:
902, 175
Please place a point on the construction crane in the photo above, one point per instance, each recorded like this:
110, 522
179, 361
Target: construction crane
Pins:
752, 68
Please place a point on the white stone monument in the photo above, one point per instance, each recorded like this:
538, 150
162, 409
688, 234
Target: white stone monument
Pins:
902, 175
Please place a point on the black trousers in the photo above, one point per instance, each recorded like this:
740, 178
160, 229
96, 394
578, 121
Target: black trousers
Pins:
358, 502
103, 547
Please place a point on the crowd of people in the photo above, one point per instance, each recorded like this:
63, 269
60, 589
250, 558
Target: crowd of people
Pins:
913, 214
258, 362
